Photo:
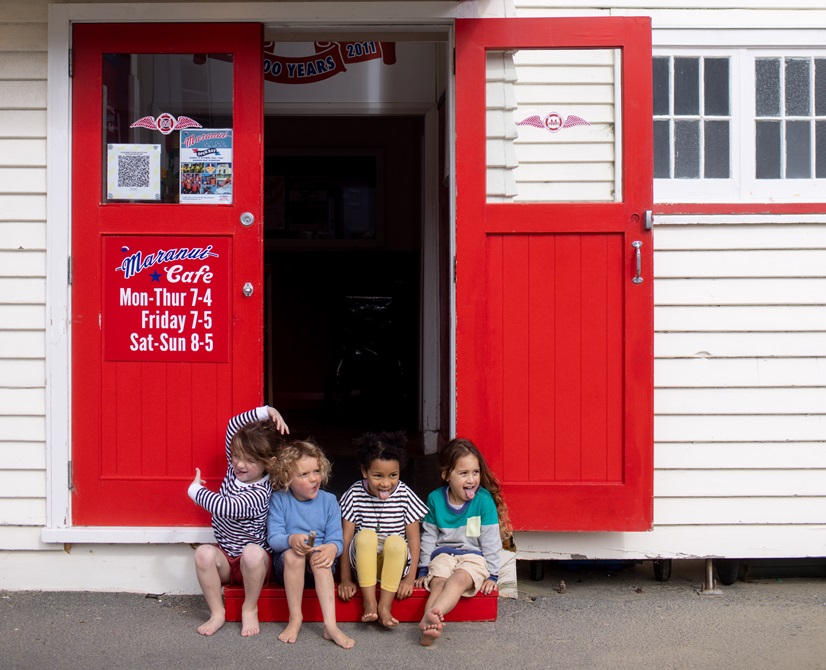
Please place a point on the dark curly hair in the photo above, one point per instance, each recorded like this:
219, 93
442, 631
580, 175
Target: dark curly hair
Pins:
381, 446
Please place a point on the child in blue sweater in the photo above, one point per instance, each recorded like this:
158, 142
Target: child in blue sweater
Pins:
298, 509
465, 526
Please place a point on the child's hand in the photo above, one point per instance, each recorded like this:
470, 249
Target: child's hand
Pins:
323, 556
346, 590
406, 586
198, 479
488, 586
298, 543
419, 583
278, 420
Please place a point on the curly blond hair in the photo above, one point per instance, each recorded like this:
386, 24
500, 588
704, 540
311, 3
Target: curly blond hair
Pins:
292, 452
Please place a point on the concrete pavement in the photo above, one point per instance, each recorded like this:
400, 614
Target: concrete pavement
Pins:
605, 618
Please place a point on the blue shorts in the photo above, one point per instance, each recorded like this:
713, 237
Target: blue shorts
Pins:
278, 570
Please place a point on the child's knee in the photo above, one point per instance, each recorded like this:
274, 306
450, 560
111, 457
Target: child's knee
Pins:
254, 556
366, 540
395, 545
207, 556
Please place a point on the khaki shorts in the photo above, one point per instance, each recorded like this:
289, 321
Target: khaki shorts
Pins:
445, 565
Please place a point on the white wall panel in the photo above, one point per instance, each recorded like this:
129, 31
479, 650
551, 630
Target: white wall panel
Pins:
738, 455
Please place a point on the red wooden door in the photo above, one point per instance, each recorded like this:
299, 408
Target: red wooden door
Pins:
166, 345
554, 332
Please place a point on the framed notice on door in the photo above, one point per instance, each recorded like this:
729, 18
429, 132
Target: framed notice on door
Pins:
166, 298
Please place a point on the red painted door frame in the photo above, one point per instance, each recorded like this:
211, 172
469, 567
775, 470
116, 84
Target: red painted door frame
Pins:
139, 428
573, 453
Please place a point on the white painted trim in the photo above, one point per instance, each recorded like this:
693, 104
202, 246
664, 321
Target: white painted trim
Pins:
430, 294
720, 36
58, 185
450, 161
737, 219
122, 535
279, 14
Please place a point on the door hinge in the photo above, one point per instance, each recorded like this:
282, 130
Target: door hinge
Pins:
69, 270
454, 268
71, 484
71, 65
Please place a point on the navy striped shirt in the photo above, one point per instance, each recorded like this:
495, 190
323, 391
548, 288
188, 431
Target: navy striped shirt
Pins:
239, 510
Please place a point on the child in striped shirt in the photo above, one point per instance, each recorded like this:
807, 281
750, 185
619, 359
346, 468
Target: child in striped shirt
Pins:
380, 520
239, 518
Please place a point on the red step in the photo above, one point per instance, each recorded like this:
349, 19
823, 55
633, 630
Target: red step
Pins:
272, 606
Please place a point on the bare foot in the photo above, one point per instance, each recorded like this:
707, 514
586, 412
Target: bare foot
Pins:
337, 635
387, 619
431, 626
249, 622
369, 617
212, 625
290, 633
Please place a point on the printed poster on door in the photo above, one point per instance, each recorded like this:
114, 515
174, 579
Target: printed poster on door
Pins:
206, 166
166, 299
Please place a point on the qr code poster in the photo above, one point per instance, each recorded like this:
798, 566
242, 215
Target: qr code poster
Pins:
134, 172
206, 165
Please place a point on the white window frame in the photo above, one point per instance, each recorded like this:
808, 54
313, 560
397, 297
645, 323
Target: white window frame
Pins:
742, 48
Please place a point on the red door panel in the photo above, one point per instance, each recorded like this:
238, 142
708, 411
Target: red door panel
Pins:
554, 339
145, 417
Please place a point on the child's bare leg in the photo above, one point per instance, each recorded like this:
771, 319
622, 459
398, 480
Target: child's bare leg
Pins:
212, 570
368, 595
442, 599
254, 565
325, 589
294, 567
385, 603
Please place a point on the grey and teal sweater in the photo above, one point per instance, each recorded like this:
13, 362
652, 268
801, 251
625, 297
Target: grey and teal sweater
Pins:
472, 529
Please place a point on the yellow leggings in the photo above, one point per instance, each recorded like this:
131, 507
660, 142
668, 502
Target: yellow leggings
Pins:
369, 562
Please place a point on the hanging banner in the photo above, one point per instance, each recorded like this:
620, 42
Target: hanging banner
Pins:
329, 59
166, 298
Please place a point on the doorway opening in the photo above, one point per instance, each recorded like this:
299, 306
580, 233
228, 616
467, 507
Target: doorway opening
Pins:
343, 266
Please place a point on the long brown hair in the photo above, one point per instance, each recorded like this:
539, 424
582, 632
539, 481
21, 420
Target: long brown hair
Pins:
256, 442
456, 449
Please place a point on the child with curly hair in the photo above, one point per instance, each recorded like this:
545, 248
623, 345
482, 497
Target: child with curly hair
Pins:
304, 528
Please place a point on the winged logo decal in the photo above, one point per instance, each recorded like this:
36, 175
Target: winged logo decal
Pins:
166, 123
553, 122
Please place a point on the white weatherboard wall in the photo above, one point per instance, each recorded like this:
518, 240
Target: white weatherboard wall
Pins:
740, 371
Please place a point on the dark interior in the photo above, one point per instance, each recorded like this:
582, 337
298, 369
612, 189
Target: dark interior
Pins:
342, 256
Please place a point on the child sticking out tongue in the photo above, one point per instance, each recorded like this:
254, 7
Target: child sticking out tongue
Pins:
470, 493
384, 495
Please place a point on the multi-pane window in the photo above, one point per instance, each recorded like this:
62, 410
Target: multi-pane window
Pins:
740, 124
692, 118
790, 118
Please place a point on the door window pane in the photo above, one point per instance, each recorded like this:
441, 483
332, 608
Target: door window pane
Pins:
686, 86
715, 86
767, 85
797, 87
662, 149
662, 86
798, 150
149, 99
550, 125
768, 149
686, 149
716, 150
